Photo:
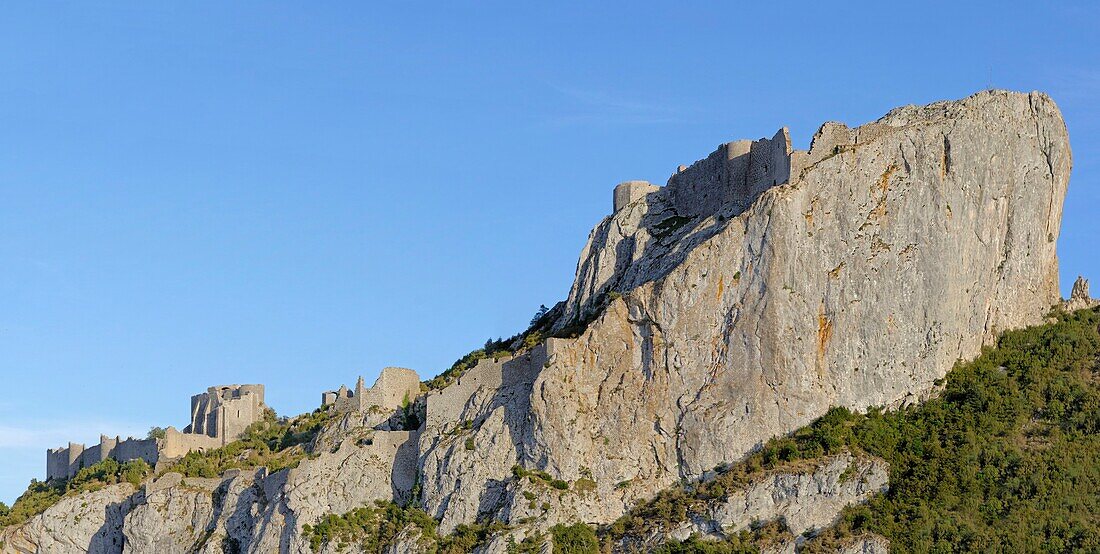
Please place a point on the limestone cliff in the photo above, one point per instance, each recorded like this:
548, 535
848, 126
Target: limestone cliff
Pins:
897, 248
757, 289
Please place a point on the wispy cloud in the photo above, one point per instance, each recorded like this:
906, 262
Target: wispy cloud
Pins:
52, 434
603, 107
1076, 83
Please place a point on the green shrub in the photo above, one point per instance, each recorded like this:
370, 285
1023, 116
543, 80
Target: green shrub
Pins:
376, 529
41, 495
269, 443
574, 539
584, 485
1003, 460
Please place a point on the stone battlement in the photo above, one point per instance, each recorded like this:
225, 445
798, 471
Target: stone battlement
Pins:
394, 388
218, 416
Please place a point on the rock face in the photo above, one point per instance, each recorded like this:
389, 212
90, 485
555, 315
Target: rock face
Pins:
1079, 298
806, 500
759, 288
895, 249
91, 522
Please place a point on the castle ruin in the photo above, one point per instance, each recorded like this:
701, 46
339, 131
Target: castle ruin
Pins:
218, 416
394, 388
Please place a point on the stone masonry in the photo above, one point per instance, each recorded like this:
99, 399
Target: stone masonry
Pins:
629, 191
224, 412
394, 388
218, 416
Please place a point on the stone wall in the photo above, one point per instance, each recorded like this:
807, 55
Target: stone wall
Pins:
444, 404
132, 449
629, 191
219, 416
225, 412
734, 175
177, 444
394, 388
64, 463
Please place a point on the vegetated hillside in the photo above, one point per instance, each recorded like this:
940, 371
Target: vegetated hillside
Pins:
1003, 460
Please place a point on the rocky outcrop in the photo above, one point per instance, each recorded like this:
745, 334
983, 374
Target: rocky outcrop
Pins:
760, 287
867, 544
803, 499
1079, 298
171, 516
806, 501
476, 431
895, 249
91, 522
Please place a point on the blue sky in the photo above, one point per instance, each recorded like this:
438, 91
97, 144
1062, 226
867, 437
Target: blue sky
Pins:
296, 195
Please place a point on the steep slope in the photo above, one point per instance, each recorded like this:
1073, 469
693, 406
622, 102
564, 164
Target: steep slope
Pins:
895, 249
1003, 460
758, 289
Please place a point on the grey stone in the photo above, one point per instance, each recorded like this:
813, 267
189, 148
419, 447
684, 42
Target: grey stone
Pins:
858, 284
91, 522
759, 288
1079, 298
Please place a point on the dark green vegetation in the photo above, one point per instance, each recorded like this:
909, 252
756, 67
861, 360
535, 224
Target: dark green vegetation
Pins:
496, 349
272, 443
1004, 460
574, 539
669, 226
376, 528
41, 495
539, 476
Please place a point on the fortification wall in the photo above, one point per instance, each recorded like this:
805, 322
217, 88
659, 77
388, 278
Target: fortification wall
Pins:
394, 387
176, 444
487, 382
627, 192
226, 411
445, 405
133, 449
734, 174
92, 455
64, 463
236, 415
218, 416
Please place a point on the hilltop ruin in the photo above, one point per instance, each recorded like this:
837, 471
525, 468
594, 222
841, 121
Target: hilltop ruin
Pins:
218, 416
